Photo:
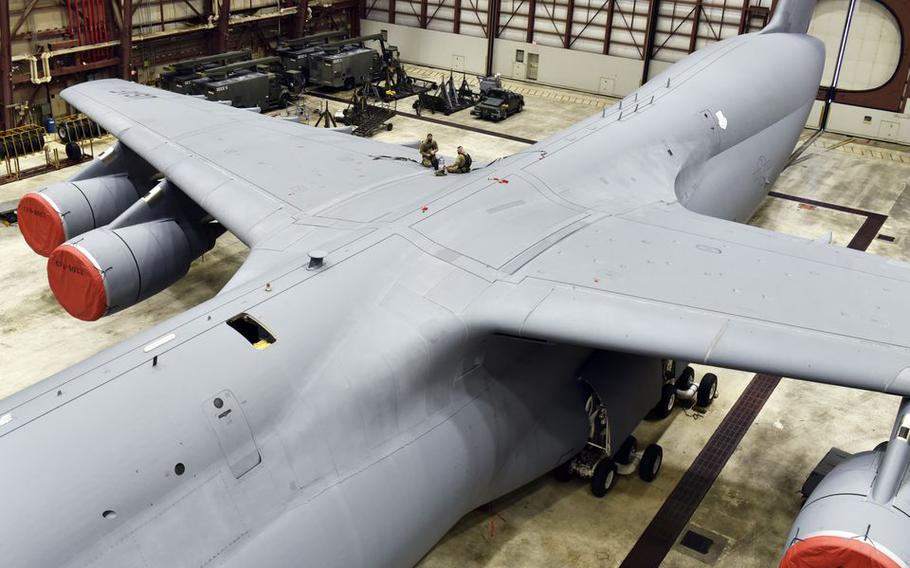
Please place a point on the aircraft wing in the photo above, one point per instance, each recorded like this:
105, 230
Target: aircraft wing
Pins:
251, 172
664, 281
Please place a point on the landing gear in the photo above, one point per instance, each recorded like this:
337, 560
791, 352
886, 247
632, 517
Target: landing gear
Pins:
703, 392
626, 453
707, 391
667, 402
651, 460
599, 464
685, 379
604, 477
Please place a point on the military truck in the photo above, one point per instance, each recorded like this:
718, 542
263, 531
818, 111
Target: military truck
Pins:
346, 68
296, 62
498, 104
295, 55
247, 89
177, 75
348, 63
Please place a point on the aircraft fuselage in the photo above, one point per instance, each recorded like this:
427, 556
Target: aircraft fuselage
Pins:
187, 445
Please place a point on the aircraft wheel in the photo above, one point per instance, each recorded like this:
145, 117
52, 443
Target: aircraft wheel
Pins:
686, 378
73, 151
667, 402
707, 390
650, 464
626, 452
604, 477
563, 472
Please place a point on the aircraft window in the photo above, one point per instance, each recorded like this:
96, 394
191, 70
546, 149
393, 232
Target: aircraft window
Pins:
253, 331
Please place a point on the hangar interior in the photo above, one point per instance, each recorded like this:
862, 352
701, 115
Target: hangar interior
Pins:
730, 484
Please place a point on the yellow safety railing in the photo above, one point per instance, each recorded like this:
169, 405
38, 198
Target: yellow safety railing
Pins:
20, 141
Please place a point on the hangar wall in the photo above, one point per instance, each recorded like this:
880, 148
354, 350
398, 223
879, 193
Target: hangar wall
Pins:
558, 67
870, 59
425, 37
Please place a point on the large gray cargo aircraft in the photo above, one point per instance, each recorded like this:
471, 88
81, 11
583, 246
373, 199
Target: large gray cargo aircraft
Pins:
400, 348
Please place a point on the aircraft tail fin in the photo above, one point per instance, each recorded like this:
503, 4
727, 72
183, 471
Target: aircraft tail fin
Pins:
791, 17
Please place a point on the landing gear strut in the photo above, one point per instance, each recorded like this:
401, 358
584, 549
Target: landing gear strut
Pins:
601, 466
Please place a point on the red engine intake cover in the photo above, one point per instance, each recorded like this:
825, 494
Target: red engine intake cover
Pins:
77, 283
835, 551
40, 224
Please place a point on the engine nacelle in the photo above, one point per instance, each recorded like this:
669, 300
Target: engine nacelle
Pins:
106, 270
95, 196
64, 210
858, 514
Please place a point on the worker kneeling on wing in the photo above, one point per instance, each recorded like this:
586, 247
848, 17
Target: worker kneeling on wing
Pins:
462, 164
428, 149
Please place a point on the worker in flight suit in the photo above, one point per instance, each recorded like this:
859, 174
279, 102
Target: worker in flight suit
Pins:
428, 149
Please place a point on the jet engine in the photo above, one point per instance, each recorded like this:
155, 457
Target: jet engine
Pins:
67, 209
859, 514
146, 249
94, 197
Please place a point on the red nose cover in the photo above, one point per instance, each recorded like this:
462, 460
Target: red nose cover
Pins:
40, 223
829, 551
76, 283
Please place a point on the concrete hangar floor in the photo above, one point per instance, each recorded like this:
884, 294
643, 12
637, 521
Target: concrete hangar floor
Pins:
762, 435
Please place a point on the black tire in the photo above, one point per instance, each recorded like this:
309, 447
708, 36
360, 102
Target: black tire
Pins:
707, 391
604, 477
563, 472
667, 402
388, 127
686, 378
626, 452
73, 151
650, 464
348, 84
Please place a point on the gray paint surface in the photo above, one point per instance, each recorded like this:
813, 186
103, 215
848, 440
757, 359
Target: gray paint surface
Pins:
390, 403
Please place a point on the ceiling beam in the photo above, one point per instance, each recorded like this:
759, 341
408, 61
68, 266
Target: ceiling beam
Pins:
650, 34
6, 68
570, 16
